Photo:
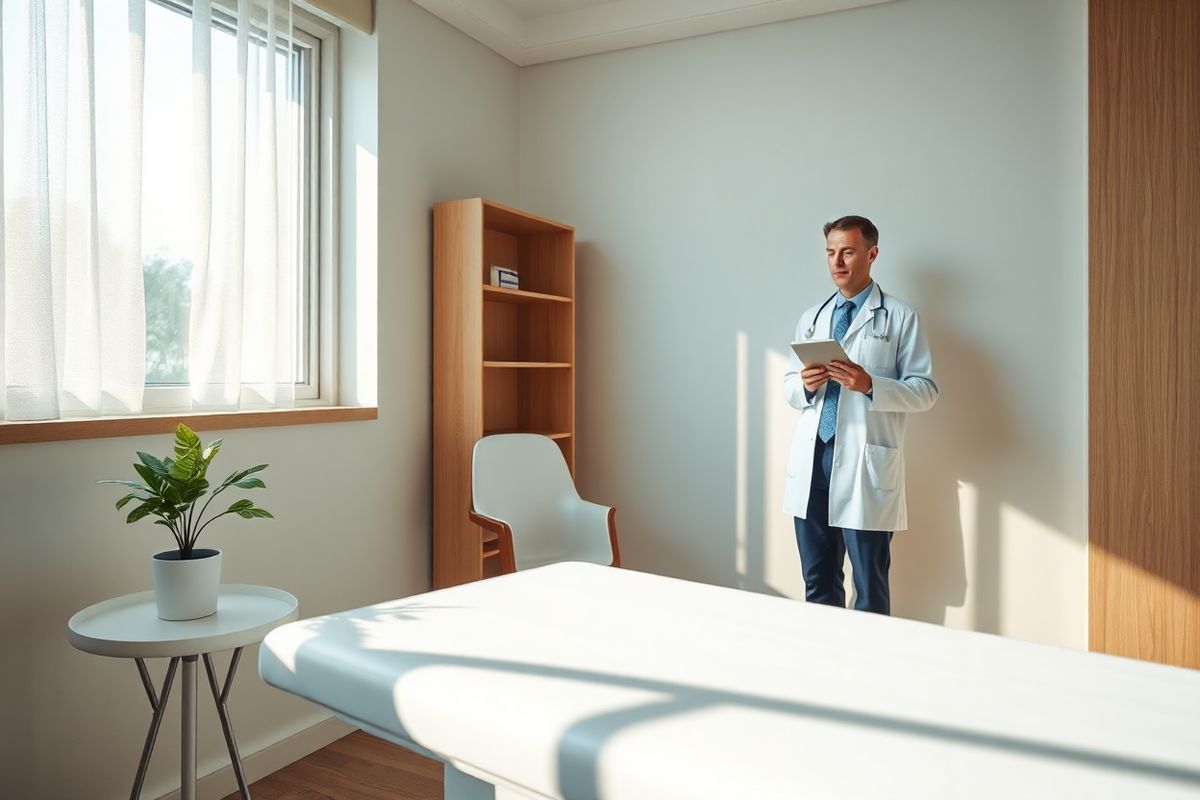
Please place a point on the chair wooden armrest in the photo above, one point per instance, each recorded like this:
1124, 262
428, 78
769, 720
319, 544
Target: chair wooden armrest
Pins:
504, 538
503, 535
612, 536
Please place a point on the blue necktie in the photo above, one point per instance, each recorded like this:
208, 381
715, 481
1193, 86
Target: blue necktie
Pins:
827, 427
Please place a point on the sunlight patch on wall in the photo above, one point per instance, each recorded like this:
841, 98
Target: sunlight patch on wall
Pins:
781, 560
366, 307
1032, 554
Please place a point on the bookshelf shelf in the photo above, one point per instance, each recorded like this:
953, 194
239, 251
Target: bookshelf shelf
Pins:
501, 295
547, 434
503, 358
527, 364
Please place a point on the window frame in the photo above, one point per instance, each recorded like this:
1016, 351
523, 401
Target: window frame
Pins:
326, 143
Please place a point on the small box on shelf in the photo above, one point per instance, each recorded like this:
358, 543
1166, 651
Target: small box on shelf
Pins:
505, 278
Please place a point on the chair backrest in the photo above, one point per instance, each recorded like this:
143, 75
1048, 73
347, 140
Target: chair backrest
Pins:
522, 479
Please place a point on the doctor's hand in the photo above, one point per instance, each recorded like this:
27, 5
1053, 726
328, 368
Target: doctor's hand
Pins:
814, 377
850, 375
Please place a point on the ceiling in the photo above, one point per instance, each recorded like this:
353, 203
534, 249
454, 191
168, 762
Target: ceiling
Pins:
535, 31
541, 8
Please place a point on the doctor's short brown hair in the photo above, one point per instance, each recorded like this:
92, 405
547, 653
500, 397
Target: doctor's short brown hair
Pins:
852, 222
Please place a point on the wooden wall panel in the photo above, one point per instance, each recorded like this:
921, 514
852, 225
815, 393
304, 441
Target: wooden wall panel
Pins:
1144, 310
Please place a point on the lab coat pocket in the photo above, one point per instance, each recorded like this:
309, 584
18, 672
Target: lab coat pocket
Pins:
883, 467
878, 356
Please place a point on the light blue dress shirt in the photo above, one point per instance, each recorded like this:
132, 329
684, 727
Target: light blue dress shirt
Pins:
859, 299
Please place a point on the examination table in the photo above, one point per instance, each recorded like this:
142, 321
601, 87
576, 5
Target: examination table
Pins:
579, 681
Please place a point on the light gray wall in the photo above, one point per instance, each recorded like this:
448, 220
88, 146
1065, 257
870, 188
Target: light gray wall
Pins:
698, 174
352, 499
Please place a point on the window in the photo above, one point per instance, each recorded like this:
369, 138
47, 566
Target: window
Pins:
169, 187
166, 207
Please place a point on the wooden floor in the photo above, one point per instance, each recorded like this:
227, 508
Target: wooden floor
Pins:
357, 767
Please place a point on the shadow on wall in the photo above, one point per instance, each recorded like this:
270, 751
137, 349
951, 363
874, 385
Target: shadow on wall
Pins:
619, 411
951, 552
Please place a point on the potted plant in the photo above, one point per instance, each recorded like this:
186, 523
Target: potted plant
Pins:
187, 578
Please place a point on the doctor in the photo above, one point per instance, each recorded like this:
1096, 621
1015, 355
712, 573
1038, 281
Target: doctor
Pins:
845, 474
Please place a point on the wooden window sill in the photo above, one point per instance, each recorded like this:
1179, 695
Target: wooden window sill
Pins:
58, 430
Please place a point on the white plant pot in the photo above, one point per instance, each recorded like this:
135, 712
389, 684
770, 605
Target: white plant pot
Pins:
186, 588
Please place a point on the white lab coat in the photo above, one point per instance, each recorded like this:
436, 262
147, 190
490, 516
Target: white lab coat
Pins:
866, 488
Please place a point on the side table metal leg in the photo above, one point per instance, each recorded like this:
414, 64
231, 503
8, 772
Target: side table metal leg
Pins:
220, 699
158, 702
187, 761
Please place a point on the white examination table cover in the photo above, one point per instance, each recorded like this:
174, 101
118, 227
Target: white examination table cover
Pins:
579, 681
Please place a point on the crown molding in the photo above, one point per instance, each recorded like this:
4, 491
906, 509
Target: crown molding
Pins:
615, 25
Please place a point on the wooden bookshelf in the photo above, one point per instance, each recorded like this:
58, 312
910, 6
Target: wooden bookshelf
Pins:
503, 359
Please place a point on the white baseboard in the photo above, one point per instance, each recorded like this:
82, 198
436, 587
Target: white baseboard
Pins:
271, 758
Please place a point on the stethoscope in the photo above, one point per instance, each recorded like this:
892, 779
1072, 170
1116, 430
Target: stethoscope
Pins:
875, 319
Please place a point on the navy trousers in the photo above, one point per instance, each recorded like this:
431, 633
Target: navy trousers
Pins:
823, 549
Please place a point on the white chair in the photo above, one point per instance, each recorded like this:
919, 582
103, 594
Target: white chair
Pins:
523, 496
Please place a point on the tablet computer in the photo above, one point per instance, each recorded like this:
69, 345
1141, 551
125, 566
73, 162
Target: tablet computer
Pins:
819, 352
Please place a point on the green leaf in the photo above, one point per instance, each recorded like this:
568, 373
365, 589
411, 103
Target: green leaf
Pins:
152, 478
130, 484
240, 506
251, 513
153, 463
185, 439
251, 483
133, 496
187, 452
138, 513
240, 474
210, 452
194, 489
172, 492
186, 465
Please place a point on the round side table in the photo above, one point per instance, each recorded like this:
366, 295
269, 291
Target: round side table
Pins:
129, 627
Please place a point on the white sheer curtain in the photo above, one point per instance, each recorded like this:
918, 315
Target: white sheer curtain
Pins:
73, 338
245, 280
